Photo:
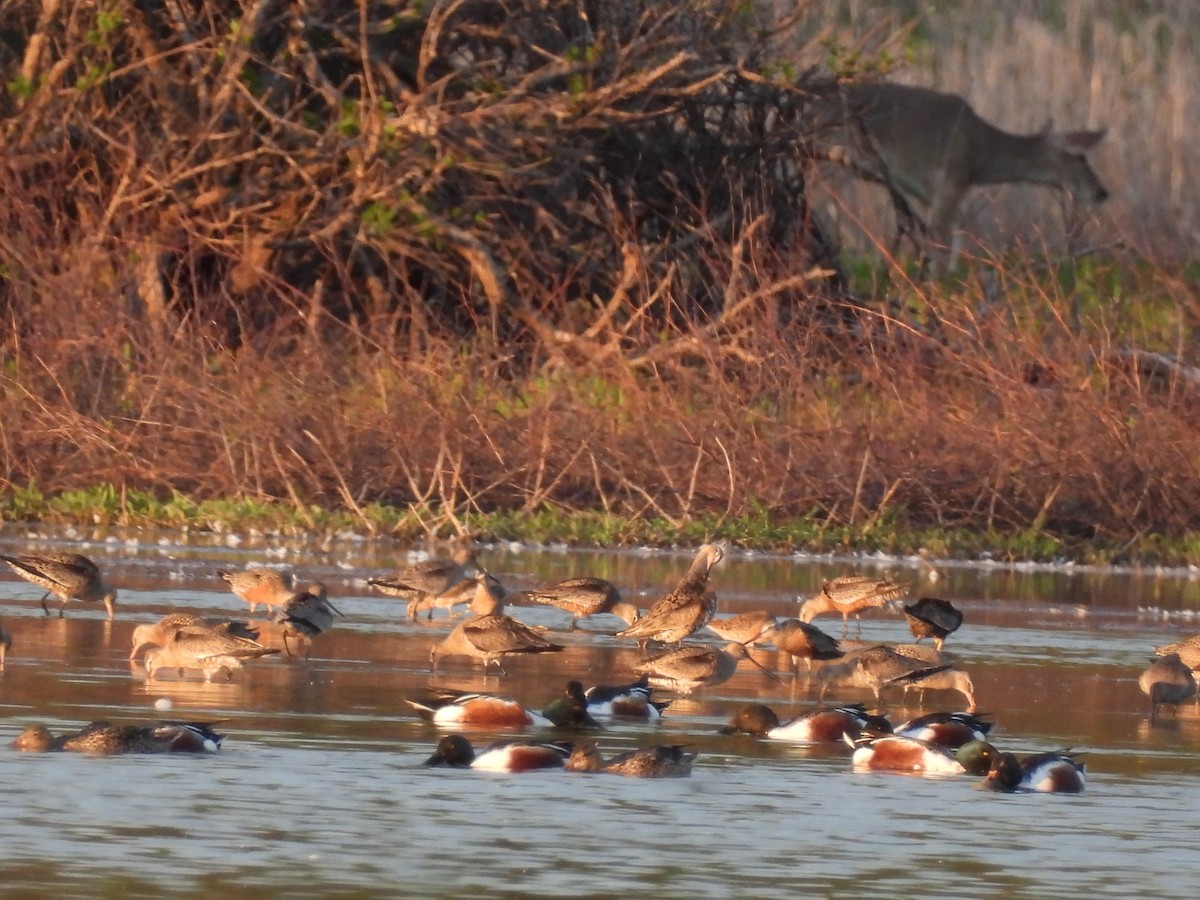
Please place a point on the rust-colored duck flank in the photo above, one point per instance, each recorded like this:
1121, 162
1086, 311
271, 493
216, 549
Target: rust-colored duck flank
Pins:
686, 608
175, 625
583, 597
425, 581
306, 615
663, 761
256, 585
931, 617
211, 653
490, 638
850, 595
67, 576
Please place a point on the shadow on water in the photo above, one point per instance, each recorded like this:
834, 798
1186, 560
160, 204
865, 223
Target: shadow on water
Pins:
319, 788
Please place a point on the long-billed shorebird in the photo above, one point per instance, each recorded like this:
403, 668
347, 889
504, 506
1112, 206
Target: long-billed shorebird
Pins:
931, 617
802, 641
850, 595
175, 625
306, 615
687, 668
1167, 680
67, 576
211, 653
425, 581
256, 585
583, 597
877, 668
490, 638
1188, 651
683, 610
745, 628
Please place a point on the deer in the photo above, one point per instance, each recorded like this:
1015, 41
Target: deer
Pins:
933, 148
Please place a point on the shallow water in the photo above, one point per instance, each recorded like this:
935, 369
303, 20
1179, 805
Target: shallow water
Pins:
319, 790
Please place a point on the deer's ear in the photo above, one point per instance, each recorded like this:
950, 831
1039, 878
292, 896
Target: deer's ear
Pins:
1081, 141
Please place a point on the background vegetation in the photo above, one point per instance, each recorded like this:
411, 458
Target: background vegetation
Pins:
559, 269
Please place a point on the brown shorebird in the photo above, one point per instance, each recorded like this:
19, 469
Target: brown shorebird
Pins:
930, 617
663, 761
211, 653
462, 592
426, 580
687, 668
66, 576
105, 739
683, 610
745, 628
1167, 680
801, 641
269, 587
877, 668
490, 638
305, 615
850, 594
583, 597
5, 645
175, 625
1188, 650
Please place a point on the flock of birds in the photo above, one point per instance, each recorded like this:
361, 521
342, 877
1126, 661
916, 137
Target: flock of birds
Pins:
950, 742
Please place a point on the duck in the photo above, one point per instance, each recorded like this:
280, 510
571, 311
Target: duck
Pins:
584, 597
1167, 680
105, 739
932, 617
462, 709
825, 724
850, 595
258, 584
683, 610
68, 576
802, 641
1056, 772
570, 708
688, 668
663, 761
897, 753
624, 701
455, 751
946, 729
490, 638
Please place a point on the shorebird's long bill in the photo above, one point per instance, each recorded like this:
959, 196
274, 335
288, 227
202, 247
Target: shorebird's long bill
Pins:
762, 668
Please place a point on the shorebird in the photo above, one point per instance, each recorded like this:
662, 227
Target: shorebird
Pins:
1188, 650
583, 597
1167, 680
5, 645
270, 587
208, 652
105, 739
464, 592
427, 580
65, 575
687, 668
802, 641
683, 610
850, 595
821, 725
490, 638
663, 761
455, 751
877, 668
745, 628
306, 615
931, 617
174, 625
1054, 772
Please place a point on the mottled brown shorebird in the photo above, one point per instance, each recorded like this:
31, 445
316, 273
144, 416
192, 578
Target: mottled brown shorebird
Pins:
931, 617
426, 580
1188, 650
65, 575
850, 595
465, 591
306, 615
105, 739
685, 609
687, 668
663, 761
211, 653
176, 625
877, 668
490, 638
745, 628
270, 587
583, 597
802, 641
1167, 680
